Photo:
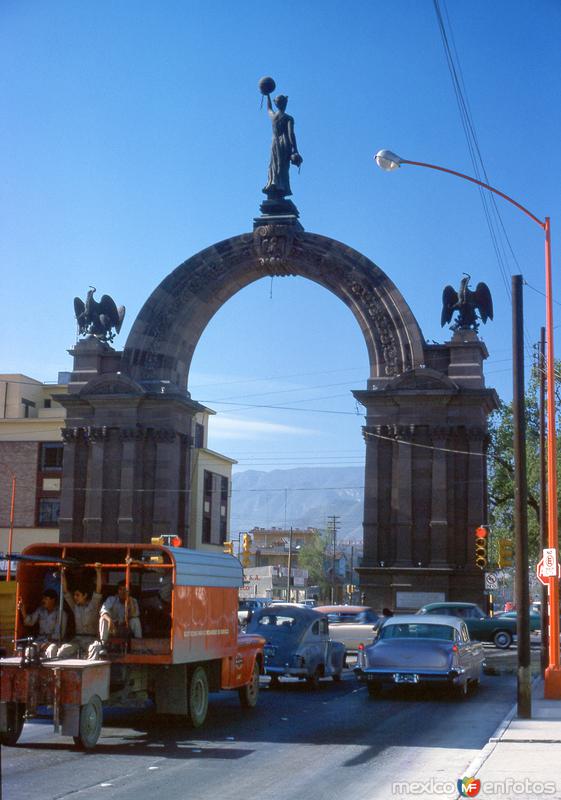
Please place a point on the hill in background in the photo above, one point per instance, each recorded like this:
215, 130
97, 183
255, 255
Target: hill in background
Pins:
302, 497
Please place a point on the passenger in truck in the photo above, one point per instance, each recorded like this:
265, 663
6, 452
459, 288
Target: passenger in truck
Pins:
119, 616
84, 605
46, 615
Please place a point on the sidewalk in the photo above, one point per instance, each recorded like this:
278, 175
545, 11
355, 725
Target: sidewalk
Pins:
522, 761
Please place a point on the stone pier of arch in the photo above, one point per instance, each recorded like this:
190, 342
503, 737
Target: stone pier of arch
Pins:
129, 427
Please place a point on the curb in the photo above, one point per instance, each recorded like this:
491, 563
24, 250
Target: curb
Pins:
475, 764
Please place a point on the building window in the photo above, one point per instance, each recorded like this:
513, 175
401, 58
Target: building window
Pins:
199, 435
215, 508
47, 403
51, 456
27, 404
49, 510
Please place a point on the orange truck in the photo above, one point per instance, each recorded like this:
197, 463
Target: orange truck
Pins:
189, 642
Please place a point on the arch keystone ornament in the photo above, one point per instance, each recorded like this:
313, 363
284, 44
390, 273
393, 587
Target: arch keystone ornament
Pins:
130, 416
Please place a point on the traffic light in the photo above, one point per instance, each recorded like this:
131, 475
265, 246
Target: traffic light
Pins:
506, 553
481, 547
229, 548
167, 539
246, 547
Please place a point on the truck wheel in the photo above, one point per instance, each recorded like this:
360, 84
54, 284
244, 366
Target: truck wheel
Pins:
91, 719
502, 639
198, 696
250, 692
15, 714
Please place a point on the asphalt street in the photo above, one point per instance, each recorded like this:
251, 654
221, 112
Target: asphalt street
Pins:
298, 743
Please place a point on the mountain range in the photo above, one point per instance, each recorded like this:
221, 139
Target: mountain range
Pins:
301, 497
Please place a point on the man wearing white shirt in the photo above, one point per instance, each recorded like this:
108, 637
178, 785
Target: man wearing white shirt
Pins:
119, 611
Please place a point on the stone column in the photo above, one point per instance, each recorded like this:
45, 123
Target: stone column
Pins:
128, 500
166, 482
93, 511
476, 475
402, 495
370, 519
439, 503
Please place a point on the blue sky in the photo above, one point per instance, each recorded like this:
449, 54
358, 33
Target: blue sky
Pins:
132, 137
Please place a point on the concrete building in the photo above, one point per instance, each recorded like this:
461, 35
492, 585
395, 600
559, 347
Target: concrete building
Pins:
272, 583
270, 546
32, 448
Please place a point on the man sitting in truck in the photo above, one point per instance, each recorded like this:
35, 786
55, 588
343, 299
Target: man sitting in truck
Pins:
85, 607
119, 615
47, 615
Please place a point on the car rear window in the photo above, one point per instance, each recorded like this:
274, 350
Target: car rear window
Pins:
418, 631
276, 620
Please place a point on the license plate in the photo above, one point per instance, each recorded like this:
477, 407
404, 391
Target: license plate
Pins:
401, 677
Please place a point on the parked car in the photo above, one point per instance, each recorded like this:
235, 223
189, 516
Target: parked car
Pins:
351, 625
297, 643
535, 618
248, 605
498, 630
430, 650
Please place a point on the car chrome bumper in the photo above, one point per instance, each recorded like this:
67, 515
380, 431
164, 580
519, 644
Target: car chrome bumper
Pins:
448, 676
295, 672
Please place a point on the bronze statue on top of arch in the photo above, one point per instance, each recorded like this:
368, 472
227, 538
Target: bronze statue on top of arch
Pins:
466, 303
284, 153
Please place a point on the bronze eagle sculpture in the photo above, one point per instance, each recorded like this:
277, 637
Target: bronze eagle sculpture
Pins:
466, 303
98, 319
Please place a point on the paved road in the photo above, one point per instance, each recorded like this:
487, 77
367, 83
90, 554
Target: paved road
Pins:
332, 743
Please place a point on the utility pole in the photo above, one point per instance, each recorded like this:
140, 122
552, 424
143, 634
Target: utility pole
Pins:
333, 527
524, 693
289, 566
543, 501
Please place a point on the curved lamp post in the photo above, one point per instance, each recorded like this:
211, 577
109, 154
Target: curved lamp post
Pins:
389, 161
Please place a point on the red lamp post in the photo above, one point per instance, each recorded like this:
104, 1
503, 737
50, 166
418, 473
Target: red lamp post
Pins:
389, 161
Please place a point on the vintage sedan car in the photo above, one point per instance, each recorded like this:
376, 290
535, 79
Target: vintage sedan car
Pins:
351, 625
247, 606
413, 650
297, 643
498, 630
535, 618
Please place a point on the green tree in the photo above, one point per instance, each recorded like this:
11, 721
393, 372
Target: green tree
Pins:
501, 468
312, 556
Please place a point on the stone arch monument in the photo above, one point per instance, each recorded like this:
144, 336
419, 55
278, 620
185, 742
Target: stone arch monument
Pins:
129, 431
129, 417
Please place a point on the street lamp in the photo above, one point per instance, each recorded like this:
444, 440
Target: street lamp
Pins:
389, 161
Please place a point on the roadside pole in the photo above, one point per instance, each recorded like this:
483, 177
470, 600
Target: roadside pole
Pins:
544, 610
524, 692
